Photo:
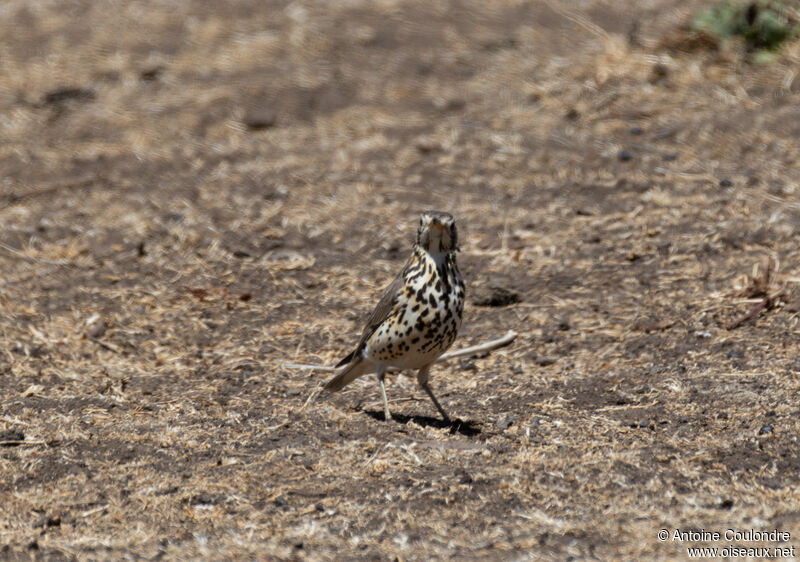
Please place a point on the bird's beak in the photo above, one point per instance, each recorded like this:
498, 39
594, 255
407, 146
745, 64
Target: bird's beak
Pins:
438, 225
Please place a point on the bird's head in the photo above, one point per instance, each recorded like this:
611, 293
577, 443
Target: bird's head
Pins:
437, 232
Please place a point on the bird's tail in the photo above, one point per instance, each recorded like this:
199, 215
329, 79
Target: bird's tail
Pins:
350, 373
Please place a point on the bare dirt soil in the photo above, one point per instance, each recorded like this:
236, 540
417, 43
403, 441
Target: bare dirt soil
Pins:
194, 193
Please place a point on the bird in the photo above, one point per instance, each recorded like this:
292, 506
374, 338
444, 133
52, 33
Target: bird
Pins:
418, 316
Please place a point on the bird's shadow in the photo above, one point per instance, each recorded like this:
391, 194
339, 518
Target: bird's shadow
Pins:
464, 427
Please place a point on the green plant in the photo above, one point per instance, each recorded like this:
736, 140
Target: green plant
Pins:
763, 24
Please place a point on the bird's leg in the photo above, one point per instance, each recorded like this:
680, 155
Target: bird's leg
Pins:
381, 374
422, 379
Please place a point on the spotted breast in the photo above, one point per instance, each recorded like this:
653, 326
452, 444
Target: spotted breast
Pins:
426, 316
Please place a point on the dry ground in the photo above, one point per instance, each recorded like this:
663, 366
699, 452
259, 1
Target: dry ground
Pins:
194, 192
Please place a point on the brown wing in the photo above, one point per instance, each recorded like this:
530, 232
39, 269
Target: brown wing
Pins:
382, 310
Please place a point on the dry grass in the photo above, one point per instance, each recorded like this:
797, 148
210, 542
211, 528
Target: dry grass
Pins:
161, 260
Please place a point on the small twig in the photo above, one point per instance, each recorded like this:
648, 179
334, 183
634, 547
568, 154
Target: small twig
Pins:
481, 348
311, 398
19, 443
93, 510
766, 303
107, 345
473, 350
762, 282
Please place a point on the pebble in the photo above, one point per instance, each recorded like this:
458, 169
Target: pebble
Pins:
259, 118
96, 327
